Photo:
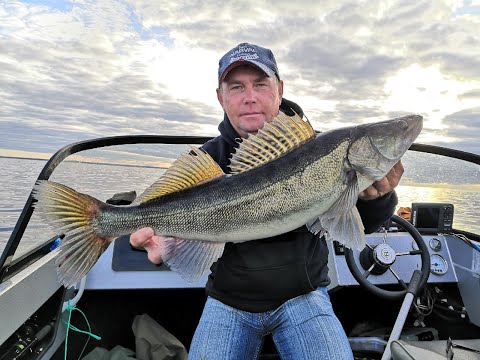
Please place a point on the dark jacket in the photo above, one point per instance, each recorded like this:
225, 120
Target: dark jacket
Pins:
261, 275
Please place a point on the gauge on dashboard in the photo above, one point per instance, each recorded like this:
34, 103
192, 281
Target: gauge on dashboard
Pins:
435, 244
438, 264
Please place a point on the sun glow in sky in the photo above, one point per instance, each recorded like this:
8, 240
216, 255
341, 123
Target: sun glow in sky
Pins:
178, 70
74, 70
427, 90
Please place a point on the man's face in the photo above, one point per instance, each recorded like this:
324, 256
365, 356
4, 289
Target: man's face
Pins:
249, 97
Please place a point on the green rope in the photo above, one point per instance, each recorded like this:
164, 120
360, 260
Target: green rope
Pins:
70, 326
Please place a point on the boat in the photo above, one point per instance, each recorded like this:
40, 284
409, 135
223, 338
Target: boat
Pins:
412, 293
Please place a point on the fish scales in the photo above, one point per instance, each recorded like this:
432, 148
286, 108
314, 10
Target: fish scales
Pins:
241, 208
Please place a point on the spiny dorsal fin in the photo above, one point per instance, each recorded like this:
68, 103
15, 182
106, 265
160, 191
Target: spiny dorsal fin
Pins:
187, 171
274, 140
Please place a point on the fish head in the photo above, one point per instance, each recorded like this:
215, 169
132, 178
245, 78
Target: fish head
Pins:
375, 148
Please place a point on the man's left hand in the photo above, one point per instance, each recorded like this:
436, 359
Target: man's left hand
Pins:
384, 185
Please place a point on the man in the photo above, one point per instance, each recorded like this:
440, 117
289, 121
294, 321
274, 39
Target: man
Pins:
277, 285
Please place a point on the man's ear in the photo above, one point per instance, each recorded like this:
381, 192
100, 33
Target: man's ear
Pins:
280, 88
220, 96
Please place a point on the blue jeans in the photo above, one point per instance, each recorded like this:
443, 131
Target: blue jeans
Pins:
304, 327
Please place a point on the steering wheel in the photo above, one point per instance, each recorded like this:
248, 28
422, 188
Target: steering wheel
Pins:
380, 258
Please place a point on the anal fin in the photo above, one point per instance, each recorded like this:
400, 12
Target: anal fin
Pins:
315, 227
190, 258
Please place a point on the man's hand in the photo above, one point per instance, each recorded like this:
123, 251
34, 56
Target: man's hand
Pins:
146, 238
384, 185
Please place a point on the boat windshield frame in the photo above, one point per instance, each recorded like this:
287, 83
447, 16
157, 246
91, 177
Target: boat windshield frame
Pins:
7, 264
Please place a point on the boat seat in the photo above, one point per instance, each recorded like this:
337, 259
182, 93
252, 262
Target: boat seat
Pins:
433, 350
367, 345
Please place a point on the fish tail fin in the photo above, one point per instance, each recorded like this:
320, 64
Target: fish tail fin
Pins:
75, 215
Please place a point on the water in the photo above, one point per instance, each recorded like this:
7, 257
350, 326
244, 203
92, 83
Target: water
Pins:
100, 181
427, 178
430, 178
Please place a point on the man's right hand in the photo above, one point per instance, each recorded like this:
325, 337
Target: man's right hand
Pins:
153, 244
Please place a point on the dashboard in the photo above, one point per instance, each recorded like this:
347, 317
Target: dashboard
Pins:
122, 267
441, 263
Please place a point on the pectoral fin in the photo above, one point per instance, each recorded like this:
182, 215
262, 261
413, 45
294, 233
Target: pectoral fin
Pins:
190, 258
347, 229
347, 200
342, 222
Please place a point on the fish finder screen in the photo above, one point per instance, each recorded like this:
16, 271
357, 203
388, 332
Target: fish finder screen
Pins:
427, 217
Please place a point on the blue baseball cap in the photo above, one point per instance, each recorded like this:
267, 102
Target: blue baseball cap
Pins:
246, 53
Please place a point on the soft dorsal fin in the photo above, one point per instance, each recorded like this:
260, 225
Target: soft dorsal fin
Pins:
187, 171
274, 140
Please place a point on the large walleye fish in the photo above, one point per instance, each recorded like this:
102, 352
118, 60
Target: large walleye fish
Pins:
282, 178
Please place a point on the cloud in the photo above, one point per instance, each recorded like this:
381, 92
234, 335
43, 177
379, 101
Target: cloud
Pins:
465, 123
462, 132
473, 94
84, 69
85, 84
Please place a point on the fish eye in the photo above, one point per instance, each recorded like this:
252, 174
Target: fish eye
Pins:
402, 124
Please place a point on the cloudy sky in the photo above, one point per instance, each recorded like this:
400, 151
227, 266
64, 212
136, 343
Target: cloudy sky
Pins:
74, 70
